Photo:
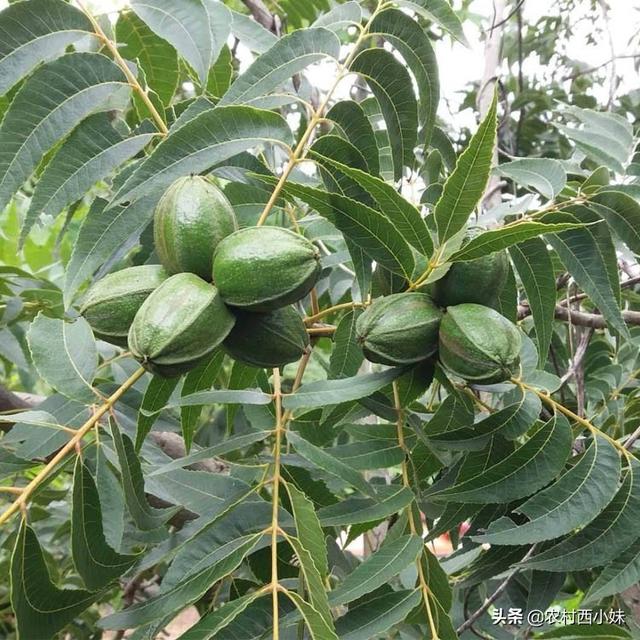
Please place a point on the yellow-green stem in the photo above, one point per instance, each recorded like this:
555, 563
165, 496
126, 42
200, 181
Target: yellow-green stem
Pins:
557, 406
338, 307
424, 587
25, 494
275, 496
301, 149
119, 60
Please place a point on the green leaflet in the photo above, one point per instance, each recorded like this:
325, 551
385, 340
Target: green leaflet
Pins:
374, 454
31, 33
620, 574
308, 528
340, 16
242, 376
346, 356
604, 137
208, 627
41, 608
218, 538
519, 474
511, 422
330, 464
206, 493
201, 378
182, 595
505, 237
223, 396
111, 500
288, 56
156, 57
453, 413
10, 463
318, 627
570, 502
253, 35
40, 441
535, 268
355, 127
220, 74
590, 257
368, 228
473, 464
440, 594
378, 569
440, 12
227, 446
197, 30
96, 562
545, 175
333, 147
360, 510
403, 215
376, 615
313, 580
604, 538
92, 151
466, 184
146, 517
390, 83
65, 355
38, 117
327, 392
155, 398
622, 214
211, 136
410, 39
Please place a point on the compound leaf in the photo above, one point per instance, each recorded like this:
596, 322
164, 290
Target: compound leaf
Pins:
570, 502
47, 107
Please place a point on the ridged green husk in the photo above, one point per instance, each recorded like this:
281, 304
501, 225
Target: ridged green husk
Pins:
479, 281
267, 339
478, 344
111, 303
265, 268
191, 219
178, 325
399, 329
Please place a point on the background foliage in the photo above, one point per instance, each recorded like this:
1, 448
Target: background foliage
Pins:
116, 524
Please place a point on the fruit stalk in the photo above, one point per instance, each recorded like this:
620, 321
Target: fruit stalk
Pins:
25, 494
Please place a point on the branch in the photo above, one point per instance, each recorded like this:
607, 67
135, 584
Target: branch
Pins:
583, 72
581, 318
25, 494
262, 15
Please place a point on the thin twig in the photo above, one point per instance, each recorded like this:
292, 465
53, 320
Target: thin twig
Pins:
630, 441
468, 623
